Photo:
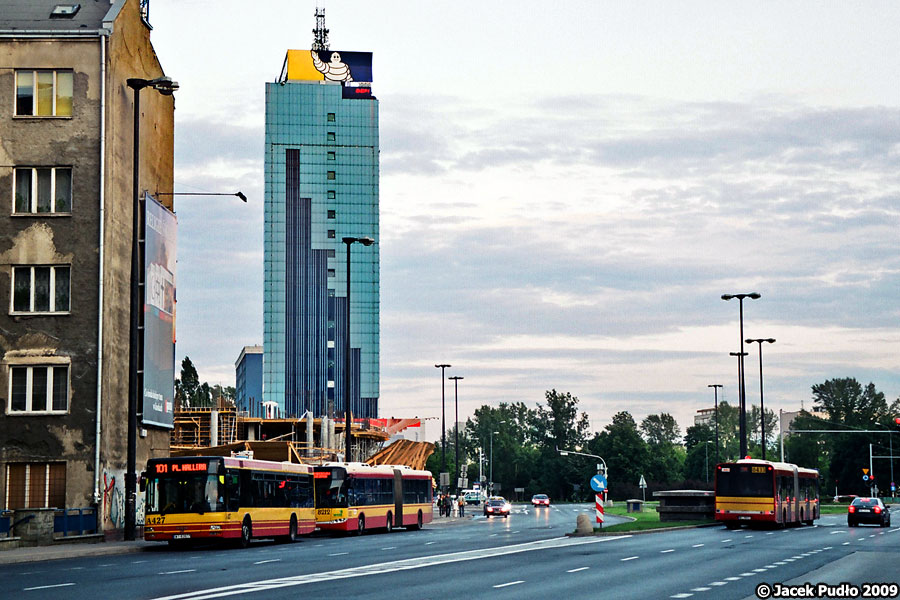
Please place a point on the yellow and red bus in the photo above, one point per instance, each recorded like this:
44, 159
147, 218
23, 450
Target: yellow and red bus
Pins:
356, 497
751, 491
215, 497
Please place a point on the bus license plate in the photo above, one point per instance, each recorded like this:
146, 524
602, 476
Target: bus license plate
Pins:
181, 536
744, 518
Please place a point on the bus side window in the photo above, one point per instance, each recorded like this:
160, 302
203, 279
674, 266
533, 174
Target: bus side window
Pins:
232, 491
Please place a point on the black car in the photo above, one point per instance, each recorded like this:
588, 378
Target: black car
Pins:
496, 506
868, 510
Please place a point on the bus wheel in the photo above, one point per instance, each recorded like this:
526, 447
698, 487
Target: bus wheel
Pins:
246, 532
390, 523
361, 525
418, 524
292, 530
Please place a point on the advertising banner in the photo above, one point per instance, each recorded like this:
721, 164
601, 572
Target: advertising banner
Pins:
159, 314
329, 65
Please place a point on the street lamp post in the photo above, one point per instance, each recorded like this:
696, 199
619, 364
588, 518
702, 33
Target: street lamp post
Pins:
742, 393
365, 241
762, 410
491, 468
706, 454
455, 380
166, 87
740, 356
442, 367
715, 387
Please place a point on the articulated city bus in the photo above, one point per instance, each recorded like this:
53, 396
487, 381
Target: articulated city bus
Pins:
214, 497
753, 491
357, 497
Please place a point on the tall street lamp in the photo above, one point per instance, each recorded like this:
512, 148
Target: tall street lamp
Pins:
740, 356
238, 194
365, 241
491, 474
762, 411
742, 417
166, 87
442, 367
455, 380
715, 387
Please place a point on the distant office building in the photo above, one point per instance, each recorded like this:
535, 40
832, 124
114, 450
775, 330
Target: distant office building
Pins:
248, 385
66, 122
321, 185
705, 416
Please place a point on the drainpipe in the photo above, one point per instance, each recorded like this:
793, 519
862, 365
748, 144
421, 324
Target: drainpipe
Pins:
104, 38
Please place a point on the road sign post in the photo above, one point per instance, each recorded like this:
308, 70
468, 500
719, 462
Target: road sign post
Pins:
599, 485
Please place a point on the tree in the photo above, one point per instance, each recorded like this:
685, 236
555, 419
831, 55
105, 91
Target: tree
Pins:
660, 429
186, 386
625, 451
666, 457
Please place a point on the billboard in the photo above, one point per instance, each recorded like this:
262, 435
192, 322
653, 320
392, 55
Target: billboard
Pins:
159, 314
329, 65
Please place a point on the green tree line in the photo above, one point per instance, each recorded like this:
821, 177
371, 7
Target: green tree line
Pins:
527, 440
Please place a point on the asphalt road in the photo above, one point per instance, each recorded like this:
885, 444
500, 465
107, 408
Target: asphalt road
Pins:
524, 556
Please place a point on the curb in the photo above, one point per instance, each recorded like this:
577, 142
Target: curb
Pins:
641, 531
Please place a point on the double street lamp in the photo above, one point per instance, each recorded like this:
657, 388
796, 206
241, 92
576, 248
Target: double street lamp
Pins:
455, 380
365, 241
166, 87
442, 367
762, 411
742, 392
491, 474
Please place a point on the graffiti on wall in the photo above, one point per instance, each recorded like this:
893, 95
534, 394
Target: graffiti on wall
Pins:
113, 508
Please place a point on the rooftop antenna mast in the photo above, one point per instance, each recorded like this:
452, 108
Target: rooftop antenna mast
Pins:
320, 33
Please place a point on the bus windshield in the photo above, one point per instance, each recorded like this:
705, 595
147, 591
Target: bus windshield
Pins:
331, 488
170, 490
745, 480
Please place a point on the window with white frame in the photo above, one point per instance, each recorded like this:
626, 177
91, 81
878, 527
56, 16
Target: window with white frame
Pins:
40, 289
38, 389
44, 93
35, 485
43, 190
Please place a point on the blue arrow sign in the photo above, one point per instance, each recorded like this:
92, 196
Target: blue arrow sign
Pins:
598, 483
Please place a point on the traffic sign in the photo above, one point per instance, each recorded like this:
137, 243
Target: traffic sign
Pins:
643, 483
865, 471
598, 483
865, 477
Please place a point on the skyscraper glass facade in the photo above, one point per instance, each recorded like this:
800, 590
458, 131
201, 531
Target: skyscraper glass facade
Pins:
321, 185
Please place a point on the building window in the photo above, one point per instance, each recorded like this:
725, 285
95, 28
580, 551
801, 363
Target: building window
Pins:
331, 234
40, 389
331, 195
40, 290
331, 214
43, 190
331, 117
330, 253
331, 136
332, 156
35, 485
331, 175
331, 272
44, 93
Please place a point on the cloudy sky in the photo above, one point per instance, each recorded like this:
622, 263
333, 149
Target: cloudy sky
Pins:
567, 189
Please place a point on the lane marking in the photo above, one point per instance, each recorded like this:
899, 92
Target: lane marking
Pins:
781, 562
629, 558
177, 572
694, 546
832, 533
723, 541
339, 553
701, 589
389, 547
271, 560
747, 574
426, 543
844, 544
665, 551
732, 579
578, 569
44, 587
503, 585
771, 566
771, 533
719, 583
760, 570
137, 562
748, 536
389, 567
682, 595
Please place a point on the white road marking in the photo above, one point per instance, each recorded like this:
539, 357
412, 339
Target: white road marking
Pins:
177, 572
694, 546
719, 583
578, 569
728, 540
700, 589
771, 533
110, 564
629, 558
747, 574
838, 531
44, 587
682, 595
893, 530
859, 540
137, 562
790, 559
771, 566
760, 570
262, 562
426, 543
665, 551
339, 553
748, 536
503, 585
781, 562
388, 567
844, 544
389, 547
871, 536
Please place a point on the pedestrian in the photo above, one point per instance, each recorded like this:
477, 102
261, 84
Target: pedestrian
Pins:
446, 505
462, 507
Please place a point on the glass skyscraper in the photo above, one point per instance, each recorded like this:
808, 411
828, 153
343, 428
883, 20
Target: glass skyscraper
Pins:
321, 185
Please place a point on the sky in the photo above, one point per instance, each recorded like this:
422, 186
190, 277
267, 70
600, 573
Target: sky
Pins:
567, 189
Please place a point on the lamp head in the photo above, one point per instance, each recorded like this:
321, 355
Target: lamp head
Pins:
241, 196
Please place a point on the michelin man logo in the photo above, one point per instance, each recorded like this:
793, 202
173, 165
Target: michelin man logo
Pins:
335, 70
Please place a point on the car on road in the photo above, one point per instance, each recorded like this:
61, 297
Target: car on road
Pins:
495, 506
868, 510
473, 498
540, 500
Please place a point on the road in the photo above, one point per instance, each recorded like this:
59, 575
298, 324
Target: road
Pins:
524, 556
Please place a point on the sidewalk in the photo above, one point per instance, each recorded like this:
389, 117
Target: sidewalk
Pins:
77, 550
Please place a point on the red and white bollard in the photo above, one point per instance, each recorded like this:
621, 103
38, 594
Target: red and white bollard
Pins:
598, 502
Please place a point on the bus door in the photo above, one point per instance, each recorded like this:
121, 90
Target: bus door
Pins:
398, 497
795, 506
